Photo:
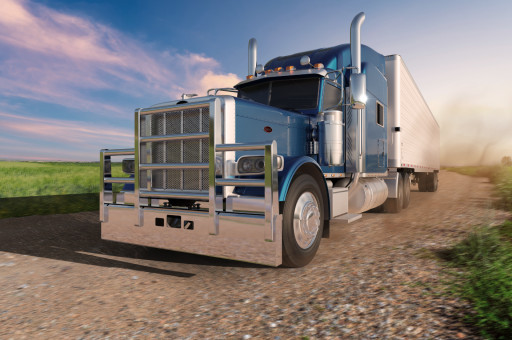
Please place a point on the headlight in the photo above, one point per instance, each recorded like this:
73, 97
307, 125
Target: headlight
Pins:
255, 164
128, 165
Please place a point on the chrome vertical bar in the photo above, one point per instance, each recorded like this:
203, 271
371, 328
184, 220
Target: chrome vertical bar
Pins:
148, 157
103, 173
200, 172
271, 196
136, 175
164, 151
214, 217
182, 150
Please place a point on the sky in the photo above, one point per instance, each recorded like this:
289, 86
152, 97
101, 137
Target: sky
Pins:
72, 72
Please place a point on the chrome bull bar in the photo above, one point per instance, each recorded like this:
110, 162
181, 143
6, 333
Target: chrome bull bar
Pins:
269, 183
106, 192
246, 236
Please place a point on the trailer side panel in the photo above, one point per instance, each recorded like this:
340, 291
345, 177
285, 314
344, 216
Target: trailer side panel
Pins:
413, 132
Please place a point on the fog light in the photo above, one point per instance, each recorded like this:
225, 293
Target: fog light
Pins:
128, 165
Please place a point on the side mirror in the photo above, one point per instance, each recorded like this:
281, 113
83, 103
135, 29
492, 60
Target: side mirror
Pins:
358, 91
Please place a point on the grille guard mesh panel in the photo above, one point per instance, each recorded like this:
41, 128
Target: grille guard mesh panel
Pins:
175, 122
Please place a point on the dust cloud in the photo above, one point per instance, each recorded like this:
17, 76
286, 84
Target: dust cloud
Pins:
473, 134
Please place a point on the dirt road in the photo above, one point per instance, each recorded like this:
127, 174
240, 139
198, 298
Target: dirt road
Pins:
375, 278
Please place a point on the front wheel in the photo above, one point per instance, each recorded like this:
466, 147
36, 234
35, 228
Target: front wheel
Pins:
303, 221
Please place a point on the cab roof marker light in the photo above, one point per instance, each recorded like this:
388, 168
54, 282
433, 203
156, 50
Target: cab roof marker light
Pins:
290, 68
268, 71
278, 69
318, 65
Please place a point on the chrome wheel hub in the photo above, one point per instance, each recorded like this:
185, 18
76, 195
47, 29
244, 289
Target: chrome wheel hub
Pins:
306, 220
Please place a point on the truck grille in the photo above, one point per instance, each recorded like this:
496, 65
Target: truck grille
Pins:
176, 122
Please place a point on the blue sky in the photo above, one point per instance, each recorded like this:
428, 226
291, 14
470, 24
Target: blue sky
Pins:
72, 72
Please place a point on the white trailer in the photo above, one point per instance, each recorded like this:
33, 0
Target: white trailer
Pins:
413, 136
412, 129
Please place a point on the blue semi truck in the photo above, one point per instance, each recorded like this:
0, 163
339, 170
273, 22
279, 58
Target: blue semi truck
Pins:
259, 173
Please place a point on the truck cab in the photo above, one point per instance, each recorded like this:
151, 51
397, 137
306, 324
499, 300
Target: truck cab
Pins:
258, 177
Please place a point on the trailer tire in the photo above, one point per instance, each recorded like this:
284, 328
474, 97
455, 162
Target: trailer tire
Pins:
422, 180
407, 189
303, 221
432, 180
394, 205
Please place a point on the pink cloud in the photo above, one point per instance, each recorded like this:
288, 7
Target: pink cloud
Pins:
57, 57
80, 133
64, 59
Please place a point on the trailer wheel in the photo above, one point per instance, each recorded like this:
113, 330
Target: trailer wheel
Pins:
394, 205
303, 221
422, 180
407, 189
432, 181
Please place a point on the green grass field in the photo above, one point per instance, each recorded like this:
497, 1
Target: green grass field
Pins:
24, 179
485, 256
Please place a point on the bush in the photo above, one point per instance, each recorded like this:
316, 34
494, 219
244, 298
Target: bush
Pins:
504, 186
487, 257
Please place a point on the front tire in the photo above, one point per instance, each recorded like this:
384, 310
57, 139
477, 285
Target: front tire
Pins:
303, 221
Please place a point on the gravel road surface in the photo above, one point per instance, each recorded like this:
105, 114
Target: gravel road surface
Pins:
377, 278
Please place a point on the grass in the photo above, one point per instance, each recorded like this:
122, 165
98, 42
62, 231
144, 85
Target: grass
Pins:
23, 179
486, 257
45, 188
504, 186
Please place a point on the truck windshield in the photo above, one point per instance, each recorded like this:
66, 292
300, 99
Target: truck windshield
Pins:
289, 94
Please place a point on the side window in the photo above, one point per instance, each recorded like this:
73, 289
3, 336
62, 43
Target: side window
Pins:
332, 95
380, 114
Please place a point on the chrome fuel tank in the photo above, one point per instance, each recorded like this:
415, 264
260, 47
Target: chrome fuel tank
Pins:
366, 194
330, 132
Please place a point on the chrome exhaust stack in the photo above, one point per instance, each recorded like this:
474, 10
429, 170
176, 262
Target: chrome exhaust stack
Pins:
355, 41
253, 51
358, 88
364, 193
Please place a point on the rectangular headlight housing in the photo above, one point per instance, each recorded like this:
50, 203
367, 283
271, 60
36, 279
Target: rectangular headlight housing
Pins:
255, 165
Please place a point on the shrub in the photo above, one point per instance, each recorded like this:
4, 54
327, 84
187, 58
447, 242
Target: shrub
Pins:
486, 256
504, 186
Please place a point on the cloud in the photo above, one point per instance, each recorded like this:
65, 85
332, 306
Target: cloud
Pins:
211, 80
61, 131
54, 139
65, 59
88, 71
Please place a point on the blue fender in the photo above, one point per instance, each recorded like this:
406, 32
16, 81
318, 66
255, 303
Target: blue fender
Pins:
291, 165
